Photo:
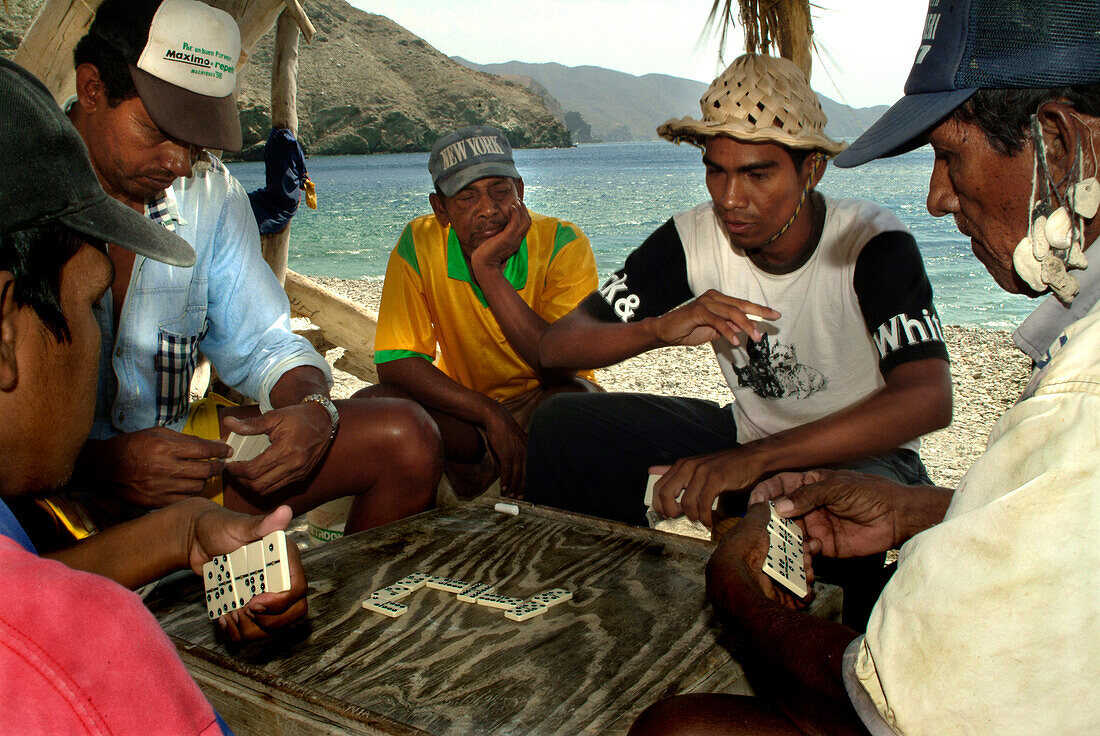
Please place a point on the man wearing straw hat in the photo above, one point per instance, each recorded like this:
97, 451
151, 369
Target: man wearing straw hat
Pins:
155, 83
818, 309
990, 624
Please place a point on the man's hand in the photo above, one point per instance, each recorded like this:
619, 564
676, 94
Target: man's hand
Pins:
702, 478
845, 514
508, 442
708, 317
736, 568
216, 531
494, 252
300, 434
154, 467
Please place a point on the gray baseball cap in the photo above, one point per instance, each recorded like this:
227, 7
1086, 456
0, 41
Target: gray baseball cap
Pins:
51, 178
460, 158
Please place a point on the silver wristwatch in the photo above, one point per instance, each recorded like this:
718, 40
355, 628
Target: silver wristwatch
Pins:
326, 403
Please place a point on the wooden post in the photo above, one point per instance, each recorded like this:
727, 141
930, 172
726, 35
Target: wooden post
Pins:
47, 49
284, 114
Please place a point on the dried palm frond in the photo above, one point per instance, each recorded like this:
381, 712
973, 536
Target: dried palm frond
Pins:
784, 25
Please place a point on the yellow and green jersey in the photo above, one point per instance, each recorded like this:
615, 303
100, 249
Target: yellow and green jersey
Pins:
429, 299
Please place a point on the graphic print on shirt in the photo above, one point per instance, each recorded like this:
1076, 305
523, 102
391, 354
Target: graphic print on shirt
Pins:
773, 371
626, 305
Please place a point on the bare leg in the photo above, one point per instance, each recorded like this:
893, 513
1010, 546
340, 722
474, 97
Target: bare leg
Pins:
460, 438
387, 454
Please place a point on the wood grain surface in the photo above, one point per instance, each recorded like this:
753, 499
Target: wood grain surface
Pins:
638, 629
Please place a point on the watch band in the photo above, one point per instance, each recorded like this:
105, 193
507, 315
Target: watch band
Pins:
327, 405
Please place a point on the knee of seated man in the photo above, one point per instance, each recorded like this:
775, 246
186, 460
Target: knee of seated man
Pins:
414, 437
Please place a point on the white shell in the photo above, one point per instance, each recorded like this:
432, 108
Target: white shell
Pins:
1040, 248
1027, 266
1086, 197
1057, 229
1076, 257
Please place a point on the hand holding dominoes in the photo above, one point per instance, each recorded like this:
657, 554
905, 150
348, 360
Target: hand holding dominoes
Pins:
240, 587
786, 560
246, 446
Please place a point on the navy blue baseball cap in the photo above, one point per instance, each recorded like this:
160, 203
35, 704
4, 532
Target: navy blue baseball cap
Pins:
969, 45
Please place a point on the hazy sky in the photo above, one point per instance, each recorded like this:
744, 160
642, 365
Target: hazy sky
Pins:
868, 45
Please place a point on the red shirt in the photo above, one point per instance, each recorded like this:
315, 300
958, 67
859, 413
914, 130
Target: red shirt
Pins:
80, 654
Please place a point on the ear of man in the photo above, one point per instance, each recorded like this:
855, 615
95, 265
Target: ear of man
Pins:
1062, 128
1064, 131
9, 332
813, 168
91, 92
439, 210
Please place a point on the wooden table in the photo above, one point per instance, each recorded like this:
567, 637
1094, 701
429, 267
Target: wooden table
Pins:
638, 629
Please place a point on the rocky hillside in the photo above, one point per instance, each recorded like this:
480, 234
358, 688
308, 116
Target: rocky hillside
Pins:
623, 107
366, 85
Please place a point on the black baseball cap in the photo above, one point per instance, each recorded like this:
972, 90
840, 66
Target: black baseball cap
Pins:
967, 45
50, 176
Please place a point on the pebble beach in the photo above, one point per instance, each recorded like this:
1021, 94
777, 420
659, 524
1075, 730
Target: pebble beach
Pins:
987, 371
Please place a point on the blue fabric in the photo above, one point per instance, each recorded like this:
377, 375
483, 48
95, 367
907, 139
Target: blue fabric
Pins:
274, 204
229, 305
224, 726
11, 528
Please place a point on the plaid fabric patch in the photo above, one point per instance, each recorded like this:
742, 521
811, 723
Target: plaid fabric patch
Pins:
157, 210
175, 363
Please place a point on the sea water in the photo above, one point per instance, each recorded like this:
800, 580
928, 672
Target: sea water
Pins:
617, 193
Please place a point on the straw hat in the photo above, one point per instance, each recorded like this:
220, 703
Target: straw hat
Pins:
758, 98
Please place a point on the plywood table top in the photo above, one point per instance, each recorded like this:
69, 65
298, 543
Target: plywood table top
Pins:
637, 629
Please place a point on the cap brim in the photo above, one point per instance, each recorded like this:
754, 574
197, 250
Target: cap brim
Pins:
113, 222
458, 181
902, 127
210, 122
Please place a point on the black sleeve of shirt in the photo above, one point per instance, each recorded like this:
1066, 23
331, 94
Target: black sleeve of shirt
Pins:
895, 297
651, 282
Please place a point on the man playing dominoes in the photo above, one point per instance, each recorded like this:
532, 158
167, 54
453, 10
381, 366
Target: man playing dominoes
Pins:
78, 653
990, 623
847, 367
154, 84
482, 278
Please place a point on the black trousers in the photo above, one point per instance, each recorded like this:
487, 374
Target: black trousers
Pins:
590, 453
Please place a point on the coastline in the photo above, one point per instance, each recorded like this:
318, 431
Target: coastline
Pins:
987, 371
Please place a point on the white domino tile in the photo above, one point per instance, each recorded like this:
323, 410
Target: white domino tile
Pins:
390, 608
526, 610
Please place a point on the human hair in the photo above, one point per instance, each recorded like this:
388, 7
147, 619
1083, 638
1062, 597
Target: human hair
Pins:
115, 40
35, 257
1004, 115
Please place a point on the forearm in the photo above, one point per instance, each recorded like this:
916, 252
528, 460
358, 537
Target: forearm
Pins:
918, 508
296, 384
140, 551
916, 400
792, 648
435, 389
580, 341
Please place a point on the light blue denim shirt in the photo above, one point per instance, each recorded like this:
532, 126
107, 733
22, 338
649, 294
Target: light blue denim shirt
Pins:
229, 305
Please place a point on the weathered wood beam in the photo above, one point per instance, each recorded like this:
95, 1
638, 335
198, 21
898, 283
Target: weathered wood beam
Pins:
47, 48
342, 321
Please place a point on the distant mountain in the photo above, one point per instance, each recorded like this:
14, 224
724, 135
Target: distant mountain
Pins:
367, 85
623, 107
